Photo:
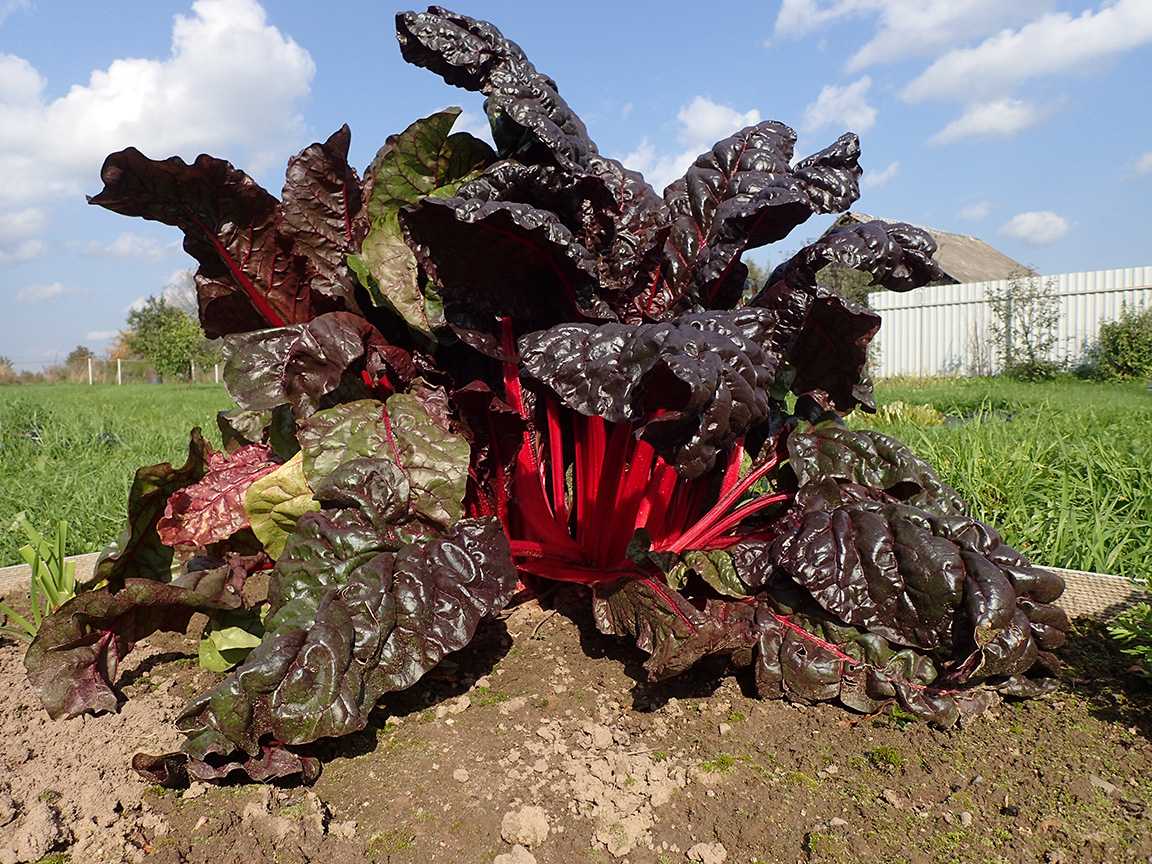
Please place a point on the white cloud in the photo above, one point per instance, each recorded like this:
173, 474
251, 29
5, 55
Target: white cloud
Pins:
876, 179
46, 293
474, 124
1051, 44
905, 28
1002, 118
19, 230
1037, 227
1144, 163
843, 107
180, 291
703, 123
101, 335
976, 212
7, 7
22, 252
129, 245
231, 86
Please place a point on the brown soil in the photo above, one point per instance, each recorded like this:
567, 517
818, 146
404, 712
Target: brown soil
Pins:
542, 742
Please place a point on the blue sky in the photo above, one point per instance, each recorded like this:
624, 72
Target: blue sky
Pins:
1026, 123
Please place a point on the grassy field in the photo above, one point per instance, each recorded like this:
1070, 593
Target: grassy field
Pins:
1063, 469
69, 451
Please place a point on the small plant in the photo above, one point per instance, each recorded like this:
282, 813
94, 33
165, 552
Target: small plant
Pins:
902, 412
722, 764
886, 758
53, 578
1133, 630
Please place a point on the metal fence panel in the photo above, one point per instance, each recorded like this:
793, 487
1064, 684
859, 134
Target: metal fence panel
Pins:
947, 329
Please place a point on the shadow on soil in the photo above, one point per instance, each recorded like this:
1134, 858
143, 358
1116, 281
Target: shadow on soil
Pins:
1097, 671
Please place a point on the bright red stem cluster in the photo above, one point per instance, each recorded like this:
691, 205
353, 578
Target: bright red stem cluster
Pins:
618, 485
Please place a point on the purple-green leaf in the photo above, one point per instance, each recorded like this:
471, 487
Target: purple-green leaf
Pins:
74, 660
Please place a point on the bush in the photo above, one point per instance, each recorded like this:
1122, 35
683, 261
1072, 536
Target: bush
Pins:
1123, 347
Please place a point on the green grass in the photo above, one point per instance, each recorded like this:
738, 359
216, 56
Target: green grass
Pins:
91, 441
1060, 468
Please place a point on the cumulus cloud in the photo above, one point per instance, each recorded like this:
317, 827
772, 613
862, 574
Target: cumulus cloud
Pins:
1001, 118
199, 99
905, 28
1036, 227
1144, 163
46, 293
843, 107
1051, 44
976, 212
132, 246
876, 179
702, 123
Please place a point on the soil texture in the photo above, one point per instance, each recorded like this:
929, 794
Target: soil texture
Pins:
544, 742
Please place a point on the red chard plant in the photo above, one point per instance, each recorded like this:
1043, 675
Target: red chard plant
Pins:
477, 371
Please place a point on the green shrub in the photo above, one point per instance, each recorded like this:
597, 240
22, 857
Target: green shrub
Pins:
1123, 347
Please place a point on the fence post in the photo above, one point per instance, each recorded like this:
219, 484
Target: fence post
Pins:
217, 368
192, 364
89, 370
119, 376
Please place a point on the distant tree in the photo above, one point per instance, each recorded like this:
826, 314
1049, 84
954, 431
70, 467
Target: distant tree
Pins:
79, 356
168, 338
7, 370
854, 285
1025, 314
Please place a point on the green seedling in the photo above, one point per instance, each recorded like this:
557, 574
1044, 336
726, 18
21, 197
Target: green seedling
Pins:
53, 579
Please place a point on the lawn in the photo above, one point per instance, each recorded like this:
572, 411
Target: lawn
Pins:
1061, 468
69, 451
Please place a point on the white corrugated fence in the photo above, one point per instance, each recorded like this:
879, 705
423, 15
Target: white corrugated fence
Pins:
947, 329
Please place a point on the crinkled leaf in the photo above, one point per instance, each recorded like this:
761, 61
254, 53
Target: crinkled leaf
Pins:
830, 343
503, 259
433, 458
668, 627
74, 660
913, 577
811, 657
893, 577
323, 209
530, 120
831, 350
139, 552
249, 276
716, 568
708, 375
276, 500
213, 508
394, 617
423, 160
274, 761
741, 194
869, 458
305, 366
377, 487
